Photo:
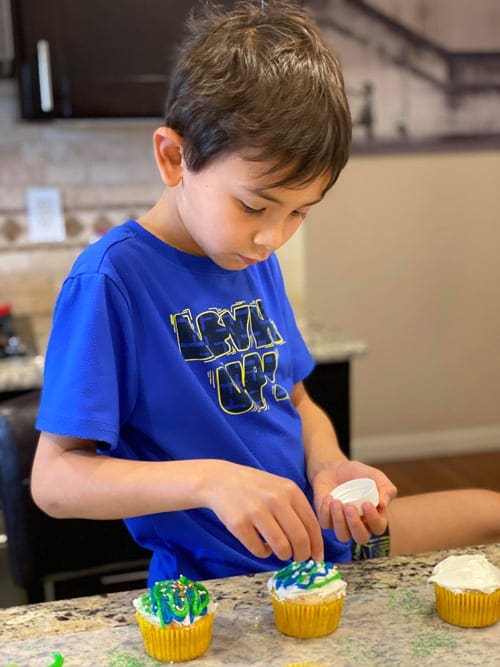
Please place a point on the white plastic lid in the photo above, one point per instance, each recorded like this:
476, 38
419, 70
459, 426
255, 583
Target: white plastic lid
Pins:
357, 492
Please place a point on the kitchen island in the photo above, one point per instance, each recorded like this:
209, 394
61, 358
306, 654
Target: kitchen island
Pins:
389, 618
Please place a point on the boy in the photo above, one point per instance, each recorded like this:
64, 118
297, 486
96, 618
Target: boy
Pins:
173, 392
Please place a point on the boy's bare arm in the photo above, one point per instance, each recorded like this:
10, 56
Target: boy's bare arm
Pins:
69, 479
327, 466
267, 513
432, 521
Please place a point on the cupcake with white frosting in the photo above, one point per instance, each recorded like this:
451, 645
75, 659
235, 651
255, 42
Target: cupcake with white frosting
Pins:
175, 618
307, 598
467, 590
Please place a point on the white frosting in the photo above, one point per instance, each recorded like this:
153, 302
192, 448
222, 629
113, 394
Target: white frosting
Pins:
460, 573
332, 589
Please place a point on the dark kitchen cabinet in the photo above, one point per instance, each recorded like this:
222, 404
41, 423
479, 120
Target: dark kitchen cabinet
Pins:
95, 58
329, 386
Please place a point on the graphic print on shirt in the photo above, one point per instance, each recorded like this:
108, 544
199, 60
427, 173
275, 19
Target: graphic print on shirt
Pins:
245, 330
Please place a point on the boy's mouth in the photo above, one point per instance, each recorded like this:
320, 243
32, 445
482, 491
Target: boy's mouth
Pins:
248, 261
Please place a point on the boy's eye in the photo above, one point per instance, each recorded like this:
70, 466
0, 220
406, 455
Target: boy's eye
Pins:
249, 209
299, 214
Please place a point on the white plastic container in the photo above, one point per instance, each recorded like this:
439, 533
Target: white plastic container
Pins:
357, 492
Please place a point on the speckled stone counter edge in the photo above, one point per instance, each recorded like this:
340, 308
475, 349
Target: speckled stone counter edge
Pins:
113, 610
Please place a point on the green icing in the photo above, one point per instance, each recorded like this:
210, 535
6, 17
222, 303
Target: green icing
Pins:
307, 575
176, 600
57, 662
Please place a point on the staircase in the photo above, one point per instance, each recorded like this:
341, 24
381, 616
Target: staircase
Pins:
389, 65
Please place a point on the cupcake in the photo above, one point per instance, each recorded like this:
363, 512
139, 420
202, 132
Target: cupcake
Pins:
307, 598
175, 619
467, 590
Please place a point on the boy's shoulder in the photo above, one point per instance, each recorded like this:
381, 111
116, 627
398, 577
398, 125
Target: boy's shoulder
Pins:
98, 256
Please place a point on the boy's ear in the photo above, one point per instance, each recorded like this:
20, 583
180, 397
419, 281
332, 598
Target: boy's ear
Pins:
168, 146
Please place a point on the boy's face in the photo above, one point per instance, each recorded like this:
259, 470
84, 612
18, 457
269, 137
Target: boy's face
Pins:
228, 212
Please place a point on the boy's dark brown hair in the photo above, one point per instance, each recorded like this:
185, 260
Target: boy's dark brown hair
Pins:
259, 79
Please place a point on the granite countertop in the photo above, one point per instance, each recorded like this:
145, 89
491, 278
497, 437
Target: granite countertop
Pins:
389, 618
329, 344
20, 373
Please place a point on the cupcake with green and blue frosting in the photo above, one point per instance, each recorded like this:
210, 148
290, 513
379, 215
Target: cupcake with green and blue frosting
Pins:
175, 618
307, 598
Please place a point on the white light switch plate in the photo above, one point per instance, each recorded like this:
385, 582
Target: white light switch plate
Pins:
45, 216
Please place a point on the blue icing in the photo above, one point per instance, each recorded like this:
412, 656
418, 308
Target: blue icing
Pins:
307, 575
177, 599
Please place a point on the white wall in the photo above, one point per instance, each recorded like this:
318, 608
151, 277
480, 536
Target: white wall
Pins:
404, 253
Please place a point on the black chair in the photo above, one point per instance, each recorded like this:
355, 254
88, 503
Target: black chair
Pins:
56, 558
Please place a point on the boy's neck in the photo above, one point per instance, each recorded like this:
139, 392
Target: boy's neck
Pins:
163, 221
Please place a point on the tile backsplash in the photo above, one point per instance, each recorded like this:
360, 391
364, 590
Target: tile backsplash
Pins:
106, 173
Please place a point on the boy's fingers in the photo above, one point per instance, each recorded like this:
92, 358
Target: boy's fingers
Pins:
278, 539
325, 514
356, 525
290, 540
347, 523
311, 523
342, 532
251, 539
375, 521
317, 544
303, 532
387, 492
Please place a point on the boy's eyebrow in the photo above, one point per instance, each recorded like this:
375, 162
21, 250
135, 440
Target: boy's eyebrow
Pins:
260, 192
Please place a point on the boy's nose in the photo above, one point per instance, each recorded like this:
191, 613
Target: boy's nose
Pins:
271, 237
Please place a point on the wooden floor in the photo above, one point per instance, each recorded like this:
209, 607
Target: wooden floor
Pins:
445, 472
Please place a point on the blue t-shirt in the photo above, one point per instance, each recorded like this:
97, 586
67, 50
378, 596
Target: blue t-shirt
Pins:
160, 355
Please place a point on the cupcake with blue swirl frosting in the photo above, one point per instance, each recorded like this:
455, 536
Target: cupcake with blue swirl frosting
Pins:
175, 618
307, 598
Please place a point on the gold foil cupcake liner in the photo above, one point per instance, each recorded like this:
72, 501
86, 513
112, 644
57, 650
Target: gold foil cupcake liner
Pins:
174, 642
471, 609
306, 621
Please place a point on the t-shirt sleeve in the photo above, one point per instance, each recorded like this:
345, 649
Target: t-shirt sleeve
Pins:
90, 378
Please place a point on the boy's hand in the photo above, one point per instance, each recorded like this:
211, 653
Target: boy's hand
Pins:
345, 519
265, 512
